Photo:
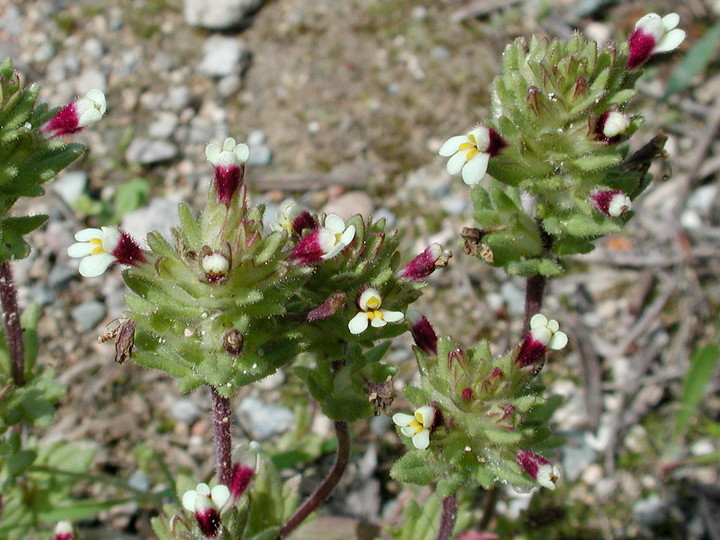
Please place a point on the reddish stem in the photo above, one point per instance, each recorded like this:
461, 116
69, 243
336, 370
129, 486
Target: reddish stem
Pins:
11, 318
534, 292
221, 432
448, 518
322, 492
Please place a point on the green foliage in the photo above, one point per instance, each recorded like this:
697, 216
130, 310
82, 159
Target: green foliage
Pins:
423, 520
489, 412
28, 158
695, 61
702, 366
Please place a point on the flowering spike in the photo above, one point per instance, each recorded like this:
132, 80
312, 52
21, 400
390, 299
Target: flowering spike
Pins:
434, 256
370, 313
64, 531
422, 332
470, 154
538, 468
229, 162
77, 114
544, 334
324, 242
611, 202
652, 35
99, 248
419, 426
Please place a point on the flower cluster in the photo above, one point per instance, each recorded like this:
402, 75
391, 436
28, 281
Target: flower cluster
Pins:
538, 468
544, 334
325, 242
419, 425
228, 161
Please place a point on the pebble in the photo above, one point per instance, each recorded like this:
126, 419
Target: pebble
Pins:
350, 203
380, 425
163, 126
265, 420
256, 137
160, 215
93, 48
229, 85
88, 79
576, 456
514, 298
58, 236
184, 410
178, 97
224, 56
455, 204
60, 275
650, 511
386, 214
148, 151
698, 206
88, 315
140, 481
219, 14
70, 186
260, 156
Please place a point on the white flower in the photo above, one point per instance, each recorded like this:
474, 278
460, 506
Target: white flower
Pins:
64, 531
548, 475
96, 247
334, 236
369, 303
663, 30
218, 496
547, 332
229, 155
471, 153
91, 107
417, 426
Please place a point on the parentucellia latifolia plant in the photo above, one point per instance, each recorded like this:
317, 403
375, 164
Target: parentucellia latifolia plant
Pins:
226, 302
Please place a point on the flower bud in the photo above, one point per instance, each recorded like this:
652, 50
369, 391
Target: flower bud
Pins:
233, 341
544, 334
215, 265
422, 332
538, 468
611, 202
64, 531
425, 264
240, 479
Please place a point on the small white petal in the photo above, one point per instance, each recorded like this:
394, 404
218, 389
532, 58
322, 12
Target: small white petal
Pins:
203, 489
421, 440
538, 320
475, 169
425, 415
650, 24
367, 295
335, 223
81, 249
347, 236
670, 41
409, 431
110, 238
242, 152
212, 152
188, 500
548, 475
97, 97
402, 419
558, 341
90, 116
220, 495
392, 316
619, 205
95, 265
553, 325
359, 323
451, 146
377, 322
228, 145
482, 137
456, 162
542, 334
670, 21
88, 234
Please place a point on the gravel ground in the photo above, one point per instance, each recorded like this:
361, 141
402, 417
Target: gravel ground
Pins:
345, 105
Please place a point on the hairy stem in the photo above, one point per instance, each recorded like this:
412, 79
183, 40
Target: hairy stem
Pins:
221, 432
534, 292
448, 517
322, 492
11, 318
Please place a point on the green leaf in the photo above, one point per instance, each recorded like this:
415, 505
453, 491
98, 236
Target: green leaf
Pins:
413, 468
19, 462
130, 196
695, 61
702, 366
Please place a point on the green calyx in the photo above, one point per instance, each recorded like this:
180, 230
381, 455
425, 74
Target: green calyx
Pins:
488, 412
